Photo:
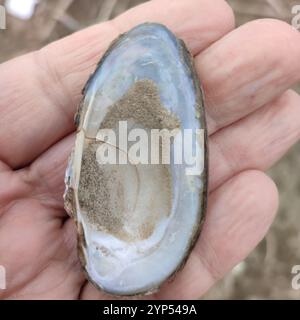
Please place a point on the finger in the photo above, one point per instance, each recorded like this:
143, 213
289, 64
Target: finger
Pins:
38, 104
45, 176
32, 247
248, 68
198, 22
239, 215
257, 141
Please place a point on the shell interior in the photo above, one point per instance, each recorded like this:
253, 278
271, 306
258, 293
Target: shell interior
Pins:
137, 221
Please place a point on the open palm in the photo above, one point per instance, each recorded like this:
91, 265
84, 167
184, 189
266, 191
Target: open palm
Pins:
253, 119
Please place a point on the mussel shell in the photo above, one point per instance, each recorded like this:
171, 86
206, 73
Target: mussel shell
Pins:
148, 52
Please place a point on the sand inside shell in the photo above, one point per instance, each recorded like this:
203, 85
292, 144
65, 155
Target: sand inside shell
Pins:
128, 201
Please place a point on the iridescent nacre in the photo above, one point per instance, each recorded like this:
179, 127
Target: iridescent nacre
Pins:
137, 223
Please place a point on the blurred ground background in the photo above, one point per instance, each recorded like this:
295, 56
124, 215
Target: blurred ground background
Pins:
266, 273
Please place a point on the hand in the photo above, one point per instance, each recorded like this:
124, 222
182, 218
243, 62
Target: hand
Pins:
252, 119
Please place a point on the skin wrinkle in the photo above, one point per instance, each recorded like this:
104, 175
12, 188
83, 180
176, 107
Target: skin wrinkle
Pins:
249, 198
23, 290
14, 190
7, 293
212, 264
74, 265
249, 158
22, 286
41, 188
216, 83
224, 158
4, 167
34, 178
41, 61
90, 59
